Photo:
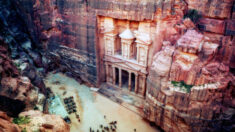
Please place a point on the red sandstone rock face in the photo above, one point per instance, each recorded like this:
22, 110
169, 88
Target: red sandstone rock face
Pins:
212, 8
162, 60
16, 91
6, 125
6, 65
213, 25
196, 110
12, 85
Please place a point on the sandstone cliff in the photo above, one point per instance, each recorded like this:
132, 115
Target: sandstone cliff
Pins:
192, 89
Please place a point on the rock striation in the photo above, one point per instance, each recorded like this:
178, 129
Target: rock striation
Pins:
187, 90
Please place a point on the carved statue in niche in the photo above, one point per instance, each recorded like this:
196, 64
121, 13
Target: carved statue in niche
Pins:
142, 55
126, 40
108, 46
125, 51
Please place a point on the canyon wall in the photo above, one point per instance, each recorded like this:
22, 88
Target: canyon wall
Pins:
190, 86
68, 28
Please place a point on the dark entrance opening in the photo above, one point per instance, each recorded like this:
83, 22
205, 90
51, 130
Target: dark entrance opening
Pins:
132, 82
117, 76
125, 78
10, 106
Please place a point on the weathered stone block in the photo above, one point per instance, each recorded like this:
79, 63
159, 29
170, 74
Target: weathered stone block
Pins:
212, 8
230, 28
46, 20
233, 13
215, 38
212, 25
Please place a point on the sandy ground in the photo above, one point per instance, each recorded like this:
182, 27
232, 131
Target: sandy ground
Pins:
92, 107
127, 120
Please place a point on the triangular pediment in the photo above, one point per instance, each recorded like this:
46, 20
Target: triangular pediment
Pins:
125, 64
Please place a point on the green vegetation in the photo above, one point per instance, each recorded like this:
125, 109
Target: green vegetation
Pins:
21, 120
35, 108
182, 85
17, 66
24, 130
193, 15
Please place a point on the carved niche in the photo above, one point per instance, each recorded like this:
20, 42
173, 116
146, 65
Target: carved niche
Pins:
126, 40
109, 36
143, 41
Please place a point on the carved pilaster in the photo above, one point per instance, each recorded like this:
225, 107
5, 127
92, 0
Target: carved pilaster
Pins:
129, 81
114, 75
120, 77
136, 83
107, 72
143, 85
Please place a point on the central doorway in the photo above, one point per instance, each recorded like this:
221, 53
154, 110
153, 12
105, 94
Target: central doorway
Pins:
125, 78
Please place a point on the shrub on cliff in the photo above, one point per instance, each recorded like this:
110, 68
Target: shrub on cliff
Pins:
193, 15
182, 85
21, 120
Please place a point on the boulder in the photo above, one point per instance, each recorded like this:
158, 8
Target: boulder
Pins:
188, 23
9, 87
40, 121
31, 73
15, 88
6, 125
212, 25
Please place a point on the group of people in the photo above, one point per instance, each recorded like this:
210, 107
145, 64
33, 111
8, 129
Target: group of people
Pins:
70, 105
110, 128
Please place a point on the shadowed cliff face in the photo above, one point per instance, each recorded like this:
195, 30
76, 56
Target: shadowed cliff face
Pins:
20, 49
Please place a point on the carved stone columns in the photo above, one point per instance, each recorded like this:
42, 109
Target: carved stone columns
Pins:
129, 81
120, 77
114, 75
136, 83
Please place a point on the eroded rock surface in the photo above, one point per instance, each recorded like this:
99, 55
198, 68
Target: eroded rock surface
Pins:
16, 91
45, 122
6, 124
189, 92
